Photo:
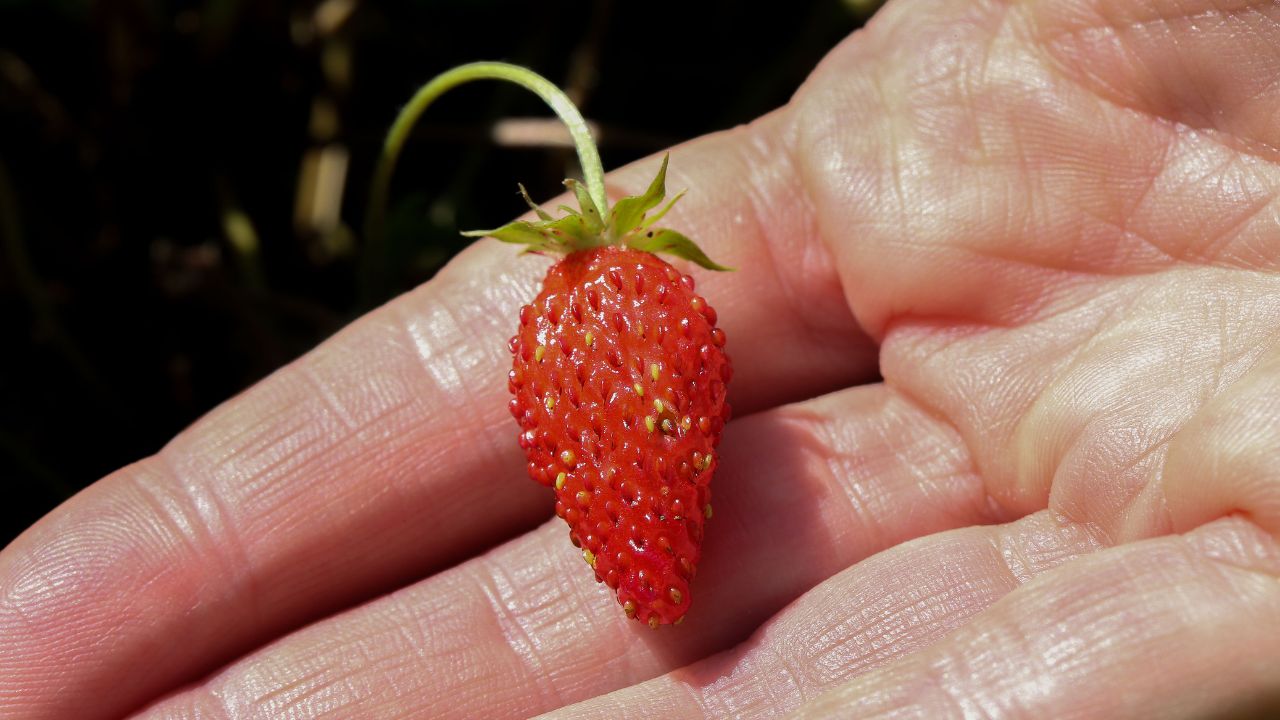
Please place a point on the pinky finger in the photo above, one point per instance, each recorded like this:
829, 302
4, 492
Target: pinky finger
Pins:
1179, 626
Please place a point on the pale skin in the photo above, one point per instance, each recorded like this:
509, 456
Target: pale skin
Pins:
1051, 227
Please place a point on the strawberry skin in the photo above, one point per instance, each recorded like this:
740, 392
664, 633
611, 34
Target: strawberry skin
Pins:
619, 380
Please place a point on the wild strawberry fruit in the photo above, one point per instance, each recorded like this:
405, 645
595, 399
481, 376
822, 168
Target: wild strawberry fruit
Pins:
619, 379
619, 372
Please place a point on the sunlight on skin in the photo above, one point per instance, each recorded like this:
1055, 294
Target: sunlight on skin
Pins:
906, 599
1051, 226
867, 472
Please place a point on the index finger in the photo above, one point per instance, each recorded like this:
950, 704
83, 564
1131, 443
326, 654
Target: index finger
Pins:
384, 454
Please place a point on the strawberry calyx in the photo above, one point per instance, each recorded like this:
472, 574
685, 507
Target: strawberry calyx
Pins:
628, 224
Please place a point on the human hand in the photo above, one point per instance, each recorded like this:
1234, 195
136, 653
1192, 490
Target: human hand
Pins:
1051, 227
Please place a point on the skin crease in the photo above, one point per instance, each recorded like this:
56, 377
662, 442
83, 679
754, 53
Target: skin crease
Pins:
1051, 227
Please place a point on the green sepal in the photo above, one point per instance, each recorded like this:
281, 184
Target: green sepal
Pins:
560, 235
575, 231
520, 232
658, 215
629, 212
590, 213
542, 214
627, 225
671, 242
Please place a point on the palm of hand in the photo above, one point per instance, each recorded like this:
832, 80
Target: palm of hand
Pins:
1051, 227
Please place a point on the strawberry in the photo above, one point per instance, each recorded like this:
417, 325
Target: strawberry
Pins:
619, 378
619, 373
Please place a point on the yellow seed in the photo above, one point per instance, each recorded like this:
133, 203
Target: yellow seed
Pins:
640, 329
686, 422
560, 480
706, 510
550, 402
653, 372
568, 457
589, 556
639, 390
650, 423
629, 607
539, 352
591, 340
668, 427
657, 405
675, 595
653, 622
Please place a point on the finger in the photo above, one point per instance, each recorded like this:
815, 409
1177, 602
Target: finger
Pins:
379, 457
1171, 627
873, 614
805, 490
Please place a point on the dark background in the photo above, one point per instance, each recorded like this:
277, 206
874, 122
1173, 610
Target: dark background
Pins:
170, 226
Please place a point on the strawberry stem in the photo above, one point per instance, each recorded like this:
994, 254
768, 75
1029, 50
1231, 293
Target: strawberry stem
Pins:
588, 156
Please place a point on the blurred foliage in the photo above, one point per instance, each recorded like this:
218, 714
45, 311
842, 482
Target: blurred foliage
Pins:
179, 180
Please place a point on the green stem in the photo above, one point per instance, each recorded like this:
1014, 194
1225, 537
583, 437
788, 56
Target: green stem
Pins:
588, 156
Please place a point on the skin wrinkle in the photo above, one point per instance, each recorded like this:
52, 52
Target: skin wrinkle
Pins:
1073, 263
1086, 439
1159, 163
1102, 608
1221, 435
211, 511
940, 417
894, 154
568, 605
1259, 149
519, 641
409, 652
1155, 483
818, 327
847, 473
897, 174
254, 478
277, 697
1123, 226
329, 402
496, 456
1218, 242
1023, 426
1262, 568
325, 685
185, 522
816, 257
793, 675
1237, 228
857, 507
446, 371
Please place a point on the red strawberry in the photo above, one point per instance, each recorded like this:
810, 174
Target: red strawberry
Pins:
619, 381
619, 372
